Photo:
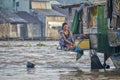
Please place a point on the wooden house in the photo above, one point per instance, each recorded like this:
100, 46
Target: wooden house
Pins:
11, 25
51, 20
67, 10
3, 26
33, 25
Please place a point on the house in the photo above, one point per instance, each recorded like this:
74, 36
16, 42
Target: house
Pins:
18, 6
67, 10
15, 5
54, 2
70, 2
11, 25
33, 25
40, 4
3, 26
51, 20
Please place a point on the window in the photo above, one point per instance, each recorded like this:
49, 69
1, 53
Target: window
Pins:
13, 4
17, 4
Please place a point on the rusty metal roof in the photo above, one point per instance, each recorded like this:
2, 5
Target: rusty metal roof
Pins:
28, 17
65, 11
2, 19
49, 12
11, 17
40, 0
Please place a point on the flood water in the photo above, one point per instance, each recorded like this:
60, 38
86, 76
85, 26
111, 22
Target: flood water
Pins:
50, 63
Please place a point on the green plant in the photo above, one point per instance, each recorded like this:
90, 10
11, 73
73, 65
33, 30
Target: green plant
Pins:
41, 44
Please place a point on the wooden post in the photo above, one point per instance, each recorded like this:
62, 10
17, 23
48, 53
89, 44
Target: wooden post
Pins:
69, 14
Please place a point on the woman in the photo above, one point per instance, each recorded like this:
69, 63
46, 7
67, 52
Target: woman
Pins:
67, 41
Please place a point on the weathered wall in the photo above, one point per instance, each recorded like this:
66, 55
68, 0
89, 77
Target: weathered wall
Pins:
53, 24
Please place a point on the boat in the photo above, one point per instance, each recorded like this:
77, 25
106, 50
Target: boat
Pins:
105, 39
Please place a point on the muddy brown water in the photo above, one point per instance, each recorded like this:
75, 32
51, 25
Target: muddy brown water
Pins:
50, 63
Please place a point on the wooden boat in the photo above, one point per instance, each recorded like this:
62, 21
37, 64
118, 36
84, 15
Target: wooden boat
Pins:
106, 41
84, 43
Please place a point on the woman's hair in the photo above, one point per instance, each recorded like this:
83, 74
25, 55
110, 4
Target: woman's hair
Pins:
64, 25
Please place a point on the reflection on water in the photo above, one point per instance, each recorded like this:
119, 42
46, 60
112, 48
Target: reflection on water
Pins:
50, 64
77, 75
31, 70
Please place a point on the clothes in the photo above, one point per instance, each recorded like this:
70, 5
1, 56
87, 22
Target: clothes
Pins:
68, 37
85, 17
79, 52
118, 33
116, 7
95, 12
118, 22
64, 45
92, 12
109, 8
115, 22
76, 48
62, 42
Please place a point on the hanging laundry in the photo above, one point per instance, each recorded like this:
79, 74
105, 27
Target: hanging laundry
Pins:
91, 17
115, 23
85, 17
109, 9
118, 22
93, 21
95, 13
116, 7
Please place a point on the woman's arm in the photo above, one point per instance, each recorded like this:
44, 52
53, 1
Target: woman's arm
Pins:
66, 39
71, 35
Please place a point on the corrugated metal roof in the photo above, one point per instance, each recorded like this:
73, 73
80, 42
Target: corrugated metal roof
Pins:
41, 0
66, 2
2, 19
65, 11
70, 6
28, 17
48, 12
55, 2
11, 17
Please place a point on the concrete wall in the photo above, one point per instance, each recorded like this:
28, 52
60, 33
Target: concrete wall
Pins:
7, 4
53, 24
24, 5
16, 5
41, 5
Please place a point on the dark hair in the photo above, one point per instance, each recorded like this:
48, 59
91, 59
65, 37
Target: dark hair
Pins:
64, 24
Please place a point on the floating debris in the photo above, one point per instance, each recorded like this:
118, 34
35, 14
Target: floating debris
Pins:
30, 65
41, 44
